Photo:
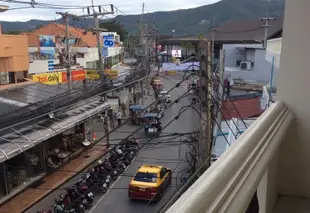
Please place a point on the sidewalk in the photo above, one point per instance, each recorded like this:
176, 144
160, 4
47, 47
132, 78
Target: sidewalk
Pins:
50, 182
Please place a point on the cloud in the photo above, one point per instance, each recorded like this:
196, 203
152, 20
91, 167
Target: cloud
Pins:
127, 7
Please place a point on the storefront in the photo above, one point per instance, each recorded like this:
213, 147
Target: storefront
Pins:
46, 145
22, 170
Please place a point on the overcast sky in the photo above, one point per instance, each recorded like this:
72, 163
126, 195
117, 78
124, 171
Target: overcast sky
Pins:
126, 6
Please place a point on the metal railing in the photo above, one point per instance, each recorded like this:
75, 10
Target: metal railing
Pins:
229, 184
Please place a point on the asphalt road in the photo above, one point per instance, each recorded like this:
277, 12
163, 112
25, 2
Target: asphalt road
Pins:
170, 155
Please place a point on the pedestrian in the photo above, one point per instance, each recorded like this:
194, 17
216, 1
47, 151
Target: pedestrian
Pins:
124, 109
119, 118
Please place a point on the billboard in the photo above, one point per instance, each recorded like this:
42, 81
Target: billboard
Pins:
47, 41
58, 77
176, 53
47, 78
93, 75
76, 75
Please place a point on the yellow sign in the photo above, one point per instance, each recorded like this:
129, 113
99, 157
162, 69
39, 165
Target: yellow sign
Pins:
112, 74
48, 78
93, 75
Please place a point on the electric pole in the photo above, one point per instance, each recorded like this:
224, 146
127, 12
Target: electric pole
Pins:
97, 30
66, 16
266, 25
205, 92
143, 41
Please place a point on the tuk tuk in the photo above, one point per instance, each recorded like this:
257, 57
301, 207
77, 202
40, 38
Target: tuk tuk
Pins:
135, 114
151, 124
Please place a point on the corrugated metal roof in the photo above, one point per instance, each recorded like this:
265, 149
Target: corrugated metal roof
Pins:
230, 131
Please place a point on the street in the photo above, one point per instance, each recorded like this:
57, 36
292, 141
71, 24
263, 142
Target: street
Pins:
170, 155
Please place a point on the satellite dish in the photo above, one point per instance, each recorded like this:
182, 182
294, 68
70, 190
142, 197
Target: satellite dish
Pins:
51, 115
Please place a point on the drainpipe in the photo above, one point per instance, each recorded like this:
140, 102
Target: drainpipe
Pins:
271, 79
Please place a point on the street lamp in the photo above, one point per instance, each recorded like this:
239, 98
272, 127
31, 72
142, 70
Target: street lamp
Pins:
3, 8
173, 31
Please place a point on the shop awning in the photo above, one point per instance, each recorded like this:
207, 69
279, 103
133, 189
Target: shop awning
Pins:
21, 138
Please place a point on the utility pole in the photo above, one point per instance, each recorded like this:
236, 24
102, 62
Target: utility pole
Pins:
66, 16
205, 93
143, 42
97, 30
266, 25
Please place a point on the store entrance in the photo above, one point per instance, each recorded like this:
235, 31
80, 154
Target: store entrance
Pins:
24, 169
64, 147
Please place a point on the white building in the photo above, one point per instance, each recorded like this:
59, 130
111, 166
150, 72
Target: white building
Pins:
84, 51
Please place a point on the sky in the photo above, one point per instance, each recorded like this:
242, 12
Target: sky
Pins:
125, 6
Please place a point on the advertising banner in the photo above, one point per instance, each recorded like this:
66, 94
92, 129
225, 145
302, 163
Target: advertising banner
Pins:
48, 78
76, 75
111, 74
47, 50
47, 41
92, 75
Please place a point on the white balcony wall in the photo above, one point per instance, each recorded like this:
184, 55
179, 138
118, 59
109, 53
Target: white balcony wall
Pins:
248, 165
273, 51
41, 66
113, 51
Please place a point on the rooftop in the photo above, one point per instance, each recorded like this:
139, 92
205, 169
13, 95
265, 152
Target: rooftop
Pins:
86, 39
236, 31
241, 108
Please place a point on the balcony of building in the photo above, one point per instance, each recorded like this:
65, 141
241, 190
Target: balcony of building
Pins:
270, 160
273, 51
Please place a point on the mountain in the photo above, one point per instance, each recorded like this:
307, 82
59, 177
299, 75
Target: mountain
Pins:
187, 21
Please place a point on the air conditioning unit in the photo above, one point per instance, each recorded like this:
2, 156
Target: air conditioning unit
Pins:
4, 78
246, 65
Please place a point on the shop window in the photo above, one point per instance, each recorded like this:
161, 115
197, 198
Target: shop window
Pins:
2, 180
62, 148
24, 169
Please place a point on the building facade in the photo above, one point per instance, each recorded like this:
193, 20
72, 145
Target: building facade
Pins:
83, 49
14, 62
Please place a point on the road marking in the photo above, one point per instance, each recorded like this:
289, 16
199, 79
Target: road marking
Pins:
111, 187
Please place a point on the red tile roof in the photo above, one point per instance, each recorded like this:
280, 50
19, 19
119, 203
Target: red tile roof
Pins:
247, 108
85, 40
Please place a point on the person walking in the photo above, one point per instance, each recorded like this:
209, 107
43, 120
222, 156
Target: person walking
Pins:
119, 118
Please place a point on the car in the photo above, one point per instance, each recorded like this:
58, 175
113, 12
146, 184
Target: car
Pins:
149, 183
165, 95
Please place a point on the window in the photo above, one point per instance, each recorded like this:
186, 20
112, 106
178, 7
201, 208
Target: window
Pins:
146, 177
163, 172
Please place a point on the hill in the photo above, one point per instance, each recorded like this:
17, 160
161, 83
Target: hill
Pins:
187, 21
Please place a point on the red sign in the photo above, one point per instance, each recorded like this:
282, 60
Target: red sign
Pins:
76, 75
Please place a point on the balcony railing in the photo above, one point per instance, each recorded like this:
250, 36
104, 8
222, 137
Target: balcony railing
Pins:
229, 184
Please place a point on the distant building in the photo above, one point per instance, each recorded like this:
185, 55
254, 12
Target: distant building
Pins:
14, 61
83, 46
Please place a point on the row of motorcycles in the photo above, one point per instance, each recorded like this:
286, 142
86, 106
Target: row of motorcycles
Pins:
80, 196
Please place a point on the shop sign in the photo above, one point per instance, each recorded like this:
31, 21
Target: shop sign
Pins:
47, 78
92, 75
76, 75
112, 74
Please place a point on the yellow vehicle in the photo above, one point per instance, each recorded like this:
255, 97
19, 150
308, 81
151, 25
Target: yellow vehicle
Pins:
149, 183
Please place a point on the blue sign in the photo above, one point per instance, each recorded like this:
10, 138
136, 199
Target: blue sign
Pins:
108, 37
108, 43
104, 52
50, 65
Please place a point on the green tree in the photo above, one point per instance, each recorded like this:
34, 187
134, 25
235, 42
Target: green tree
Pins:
115, 26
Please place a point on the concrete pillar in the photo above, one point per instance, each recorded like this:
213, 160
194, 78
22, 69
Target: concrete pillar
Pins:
293, 83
